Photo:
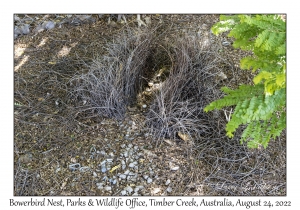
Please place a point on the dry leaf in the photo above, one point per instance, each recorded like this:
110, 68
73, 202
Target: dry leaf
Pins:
184, 137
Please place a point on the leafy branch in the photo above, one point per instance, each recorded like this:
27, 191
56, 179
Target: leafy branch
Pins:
260, 106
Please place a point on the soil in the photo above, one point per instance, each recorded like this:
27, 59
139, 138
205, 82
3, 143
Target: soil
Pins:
50, 134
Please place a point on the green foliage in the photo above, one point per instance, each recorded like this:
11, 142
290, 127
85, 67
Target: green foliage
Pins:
260, 106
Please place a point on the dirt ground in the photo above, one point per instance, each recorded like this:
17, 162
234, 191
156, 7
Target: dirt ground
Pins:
50, 135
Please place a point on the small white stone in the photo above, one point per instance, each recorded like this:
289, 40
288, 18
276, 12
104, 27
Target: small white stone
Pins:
144, 106
145, 176
129, 189
175, 168
107, 188
169, 189
149, 180
168, 182
139, 187
123, 192
131, 165
156, 190
122, 176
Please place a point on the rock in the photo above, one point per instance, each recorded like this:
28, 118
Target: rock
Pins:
168, 182
102, 152
126, 172
225, 43
169, 189
99, 186
110, 160
135, 194
137, 188
156, 190
144, 106
17, 31
74, 167
103, 169
25, 29
145, 177
49, 25
131, 165
149, 180
123, 145
123, 176
125, 154
128, 189
175, 168
107, 188
123, 192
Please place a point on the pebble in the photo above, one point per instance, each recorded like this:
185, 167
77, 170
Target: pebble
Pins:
145, 176
144, 106
131, 165
103, 169
125, 154
25, 29
100, 186
169, 189
149, 180
110, 160
123, 192
74, 167
107, 188
168, 182
137, 188
123, 176
156, 190
49, 25
226, 43
128, 189
123, 145
175, 168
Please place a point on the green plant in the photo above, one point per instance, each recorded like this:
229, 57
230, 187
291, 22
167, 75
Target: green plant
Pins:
262, 106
